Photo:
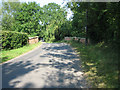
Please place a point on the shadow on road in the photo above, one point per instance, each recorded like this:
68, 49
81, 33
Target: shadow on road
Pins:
68, 72
12, 71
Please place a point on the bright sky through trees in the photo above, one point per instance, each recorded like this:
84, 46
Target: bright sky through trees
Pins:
45, 2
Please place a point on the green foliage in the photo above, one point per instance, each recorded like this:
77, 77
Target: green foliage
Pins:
52, 19
27, 18
8, 10
100, 64
12, 40
101, 20
10, 54
30, 18
65, 30
21, 17
49, 34
48, 22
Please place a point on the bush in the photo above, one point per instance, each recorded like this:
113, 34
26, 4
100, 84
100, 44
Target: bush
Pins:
12, 40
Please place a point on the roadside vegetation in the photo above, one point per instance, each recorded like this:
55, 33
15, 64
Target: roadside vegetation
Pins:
98, 22
100, 64
10, 54
13, 40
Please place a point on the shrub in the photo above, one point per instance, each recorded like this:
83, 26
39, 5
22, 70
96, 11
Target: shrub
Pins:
12, 40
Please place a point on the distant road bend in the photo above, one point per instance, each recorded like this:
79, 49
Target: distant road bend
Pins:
52, 65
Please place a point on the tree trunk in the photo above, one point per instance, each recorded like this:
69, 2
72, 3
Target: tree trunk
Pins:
86, 40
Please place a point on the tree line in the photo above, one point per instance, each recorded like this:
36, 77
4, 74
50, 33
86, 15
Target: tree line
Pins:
48, 22
97, 21
100, 22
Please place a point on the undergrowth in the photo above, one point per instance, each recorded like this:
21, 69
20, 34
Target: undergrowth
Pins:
100, 64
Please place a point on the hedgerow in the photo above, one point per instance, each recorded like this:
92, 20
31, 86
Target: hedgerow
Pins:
13, 40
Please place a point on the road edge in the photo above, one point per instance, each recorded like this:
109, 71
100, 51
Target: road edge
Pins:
23, 54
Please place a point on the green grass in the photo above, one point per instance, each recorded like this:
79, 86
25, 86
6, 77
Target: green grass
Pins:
100, 64
10, 54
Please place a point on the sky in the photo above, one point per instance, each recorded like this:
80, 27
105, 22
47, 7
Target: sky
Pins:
45, 2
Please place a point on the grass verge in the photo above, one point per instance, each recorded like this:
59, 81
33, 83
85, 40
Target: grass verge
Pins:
10, 54
100, 64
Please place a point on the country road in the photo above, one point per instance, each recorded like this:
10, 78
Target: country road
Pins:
52, 65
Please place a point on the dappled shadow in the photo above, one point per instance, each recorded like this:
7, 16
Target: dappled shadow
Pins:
62, 56
61, 69
68, 64
100, 64
11, 71
56, 48
67, 76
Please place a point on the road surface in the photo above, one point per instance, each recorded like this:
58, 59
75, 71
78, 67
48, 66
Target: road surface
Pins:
52, 65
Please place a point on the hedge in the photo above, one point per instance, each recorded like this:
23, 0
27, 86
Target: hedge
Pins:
13, 40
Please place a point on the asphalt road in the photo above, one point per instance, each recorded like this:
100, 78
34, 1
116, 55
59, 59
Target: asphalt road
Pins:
52, 65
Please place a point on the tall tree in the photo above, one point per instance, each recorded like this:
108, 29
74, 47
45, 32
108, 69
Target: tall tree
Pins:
8, 10
27, 18
53, 17
102, 22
